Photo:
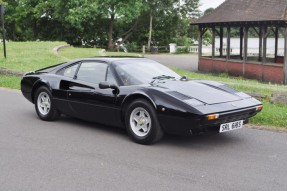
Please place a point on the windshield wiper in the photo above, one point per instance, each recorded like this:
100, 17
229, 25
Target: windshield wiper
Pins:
162, 77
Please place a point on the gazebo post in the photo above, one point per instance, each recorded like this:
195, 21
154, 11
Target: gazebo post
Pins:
285, 57
276, 44
221, 42
260, 44
264, 35
245, 32
228, 44
241, 41
213, 41
200, 42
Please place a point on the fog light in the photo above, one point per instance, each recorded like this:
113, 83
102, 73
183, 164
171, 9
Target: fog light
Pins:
212, 117
259, 108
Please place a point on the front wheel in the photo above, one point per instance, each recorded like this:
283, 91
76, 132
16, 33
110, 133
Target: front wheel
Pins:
44, 105
142, 123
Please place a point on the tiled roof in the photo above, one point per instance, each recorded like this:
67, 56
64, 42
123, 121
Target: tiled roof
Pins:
247, 10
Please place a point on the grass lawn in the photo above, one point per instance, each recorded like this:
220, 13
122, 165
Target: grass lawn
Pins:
10, 81
29, 56
74, 53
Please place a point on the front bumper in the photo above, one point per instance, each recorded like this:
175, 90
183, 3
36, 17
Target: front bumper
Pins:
194, 125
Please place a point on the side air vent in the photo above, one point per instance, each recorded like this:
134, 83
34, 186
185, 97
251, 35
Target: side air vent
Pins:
228, 89
178, 95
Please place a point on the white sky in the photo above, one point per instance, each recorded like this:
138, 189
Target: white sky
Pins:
205, 4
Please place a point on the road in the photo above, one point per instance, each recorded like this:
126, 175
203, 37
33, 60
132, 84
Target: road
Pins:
185, 62
70, 154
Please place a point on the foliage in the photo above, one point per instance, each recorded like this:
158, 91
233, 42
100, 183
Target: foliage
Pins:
132, 47
100, 23
182, 50
208, 11
182, 40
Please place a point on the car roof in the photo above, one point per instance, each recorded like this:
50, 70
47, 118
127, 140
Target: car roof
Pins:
110, 59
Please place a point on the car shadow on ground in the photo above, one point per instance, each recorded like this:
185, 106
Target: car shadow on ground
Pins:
75, 122
204, 140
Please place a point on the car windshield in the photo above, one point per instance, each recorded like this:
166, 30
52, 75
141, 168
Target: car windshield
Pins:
142, 71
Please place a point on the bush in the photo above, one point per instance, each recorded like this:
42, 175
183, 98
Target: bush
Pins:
182, 41
182, 50
132, 47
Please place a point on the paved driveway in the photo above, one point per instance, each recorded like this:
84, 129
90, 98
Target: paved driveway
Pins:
185, 62
70, 154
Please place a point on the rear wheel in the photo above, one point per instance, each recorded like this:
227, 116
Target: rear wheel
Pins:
44, 105
142, 123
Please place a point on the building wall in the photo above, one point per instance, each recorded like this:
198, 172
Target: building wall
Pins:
268, 73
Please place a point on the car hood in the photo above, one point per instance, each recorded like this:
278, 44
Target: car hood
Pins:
206, 93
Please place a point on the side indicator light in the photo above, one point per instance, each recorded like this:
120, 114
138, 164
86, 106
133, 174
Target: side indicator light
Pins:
259, 108
212, 117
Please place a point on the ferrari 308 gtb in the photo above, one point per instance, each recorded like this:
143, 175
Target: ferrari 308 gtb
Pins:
141, 95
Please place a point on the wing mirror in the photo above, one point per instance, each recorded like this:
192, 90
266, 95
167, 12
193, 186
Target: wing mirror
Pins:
107, 85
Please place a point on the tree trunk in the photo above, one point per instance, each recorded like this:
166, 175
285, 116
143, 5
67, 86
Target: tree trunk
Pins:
150, 31
127, 34
110, 33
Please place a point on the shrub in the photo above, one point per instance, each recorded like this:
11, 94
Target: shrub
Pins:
182, 50
132, 47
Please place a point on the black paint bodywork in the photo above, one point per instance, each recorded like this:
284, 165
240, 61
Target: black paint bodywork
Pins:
170, 99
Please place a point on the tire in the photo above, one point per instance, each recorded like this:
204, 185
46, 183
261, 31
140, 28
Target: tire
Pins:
44, 105
142, 123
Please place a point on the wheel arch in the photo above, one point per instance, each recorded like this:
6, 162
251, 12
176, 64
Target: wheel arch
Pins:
130, 98
38, 84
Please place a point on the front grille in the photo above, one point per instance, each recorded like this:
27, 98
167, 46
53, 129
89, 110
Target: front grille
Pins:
231, 117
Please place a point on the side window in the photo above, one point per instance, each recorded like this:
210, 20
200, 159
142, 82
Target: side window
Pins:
110, 78
94, 72
69, 72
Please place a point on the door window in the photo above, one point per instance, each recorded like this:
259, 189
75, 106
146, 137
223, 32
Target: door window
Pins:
94, 72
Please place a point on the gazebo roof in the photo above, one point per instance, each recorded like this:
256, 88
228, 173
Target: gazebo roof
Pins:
237, 11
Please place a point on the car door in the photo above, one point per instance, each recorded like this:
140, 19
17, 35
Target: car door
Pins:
87, 100
60, 93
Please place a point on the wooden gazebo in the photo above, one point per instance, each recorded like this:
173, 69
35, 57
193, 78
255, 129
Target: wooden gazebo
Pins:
266, 18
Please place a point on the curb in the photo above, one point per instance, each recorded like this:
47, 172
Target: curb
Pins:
5, 71
58, 48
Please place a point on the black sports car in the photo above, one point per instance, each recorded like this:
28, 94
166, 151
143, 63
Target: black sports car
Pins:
141, 95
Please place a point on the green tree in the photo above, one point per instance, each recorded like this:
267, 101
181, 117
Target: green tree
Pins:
100, 22
208, 11
114, 10
172, 17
